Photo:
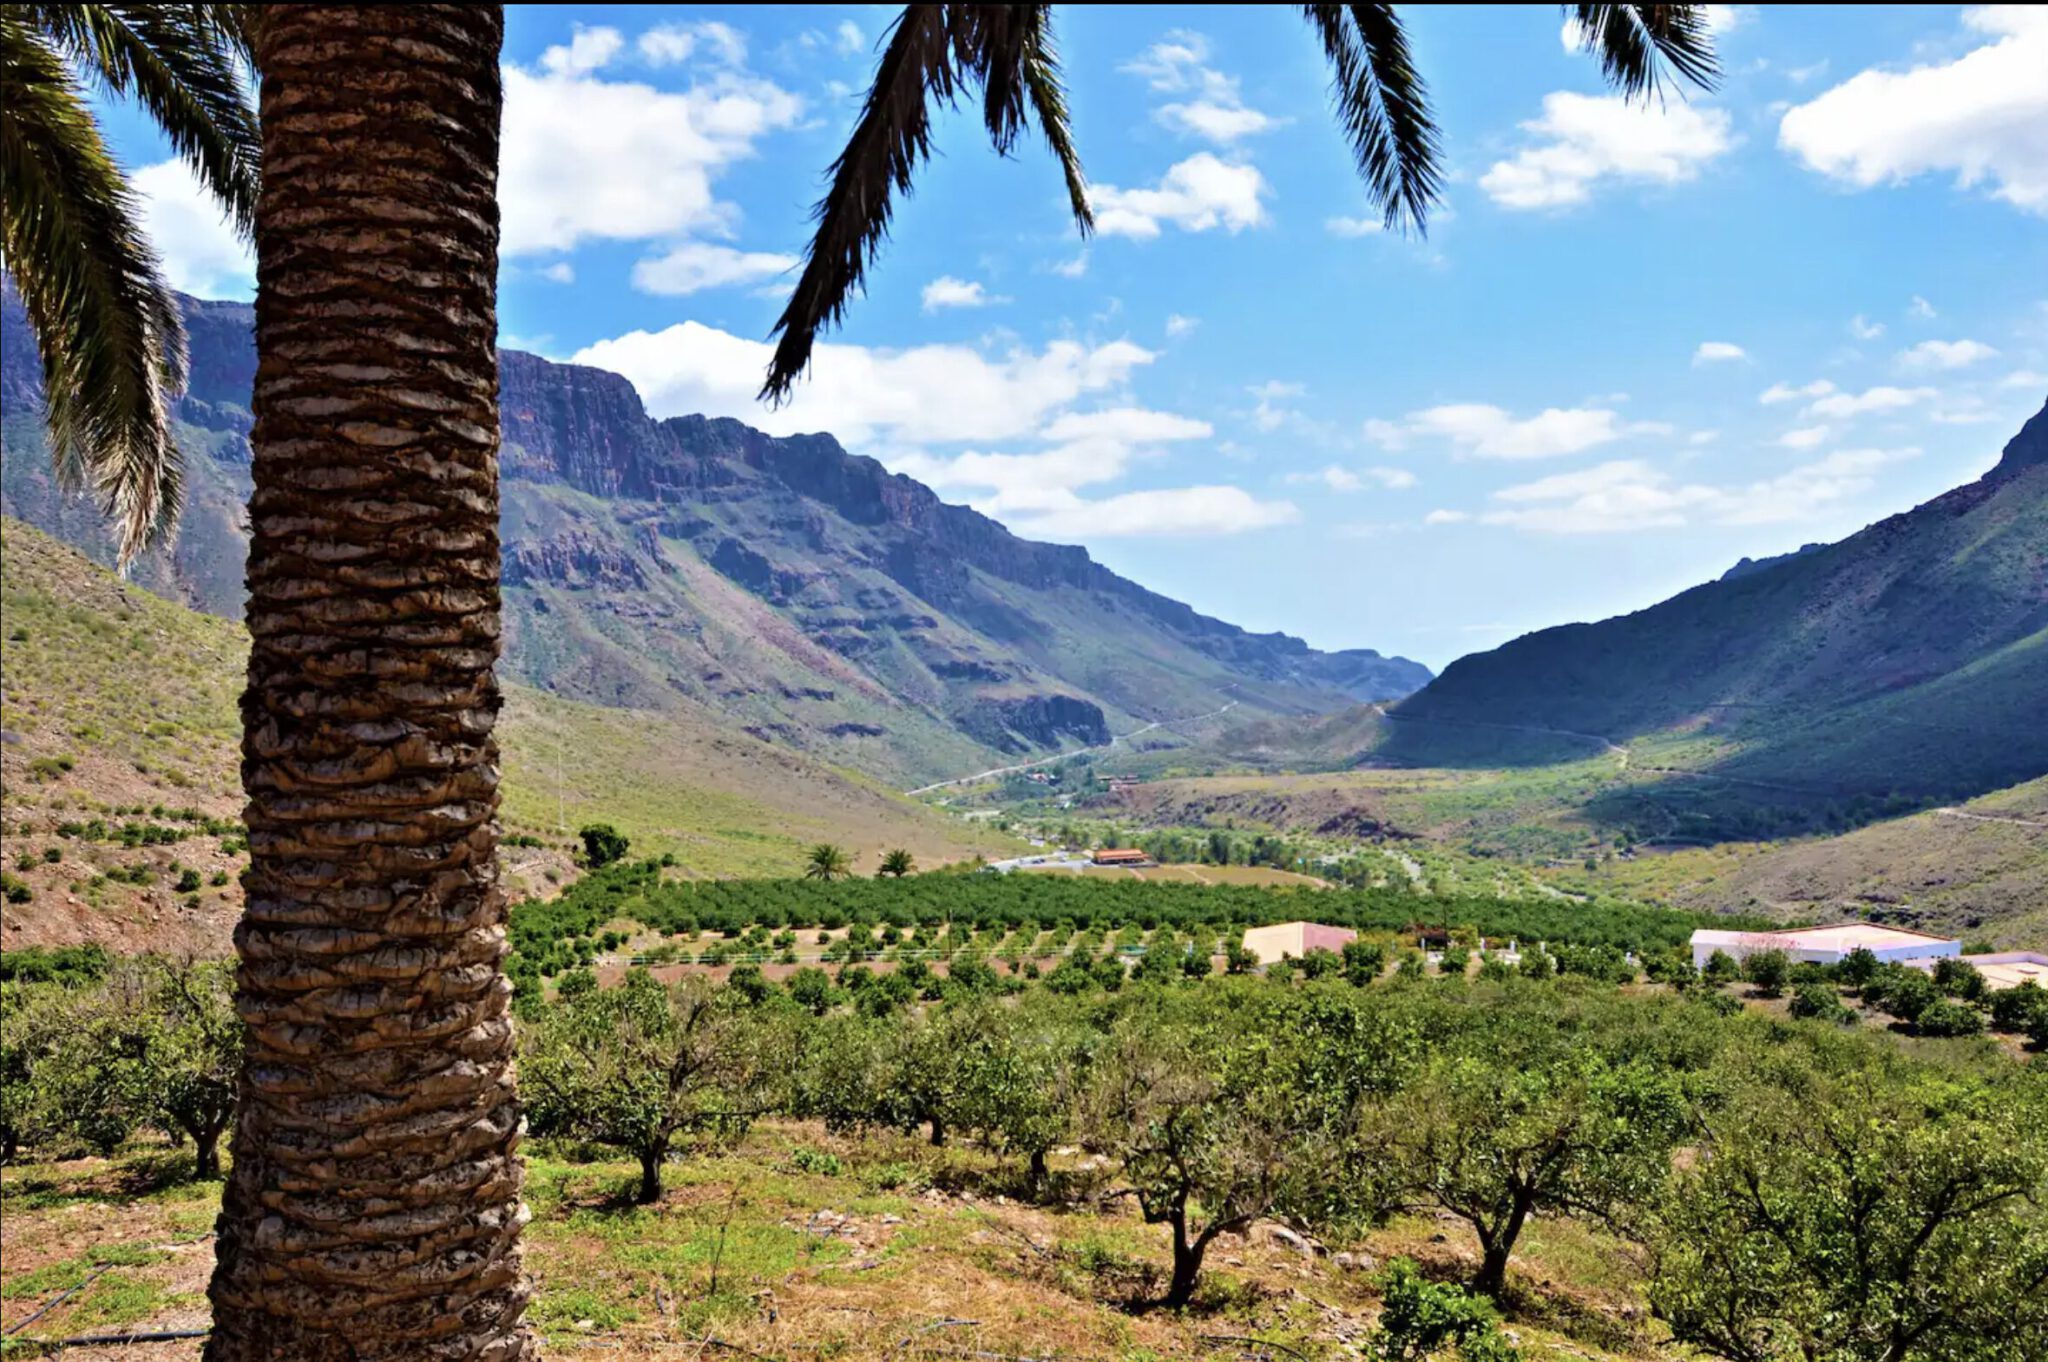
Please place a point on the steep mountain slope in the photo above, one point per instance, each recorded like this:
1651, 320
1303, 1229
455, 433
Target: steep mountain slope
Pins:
1910, 658
788, 588
119, 706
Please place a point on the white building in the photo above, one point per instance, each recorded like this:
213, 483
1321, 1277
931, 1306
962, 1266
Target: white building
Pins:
1825, 945
2005, 969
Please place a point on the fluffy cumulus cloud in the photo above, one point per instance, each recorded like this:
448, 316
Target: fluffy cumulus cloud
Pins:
1981, 119
948, 292
1628, 495
585, 52
1718, 352
1583, 140
1943, 354
927, 394
200, 250
588, 158
1207, 102
693, 266
1199, 194
1805, 437
1489, 432
1881, 398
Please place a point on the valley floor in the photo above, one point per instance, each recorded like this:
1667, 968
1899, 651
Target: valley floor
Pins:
801, 1244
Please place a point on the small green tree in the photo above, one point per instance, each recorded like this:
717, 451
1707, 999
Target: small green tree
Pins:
1238, 960
1498, 1137
602, 845
896, 864
1768, 972
645, 1065
1720, 969
1363, 961
1851, 1206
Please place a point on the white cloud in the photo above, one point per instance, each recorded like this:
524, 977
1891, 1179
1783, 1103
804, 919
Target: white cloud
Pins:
1881, 398
1072, 269
1393, 479
1806, 437
1489, 432
693, 266
1921, 309
1717, 352
1982, 118
1443, 517
200, 252
926, 394
1215, 110
1161, 512
1629, 495
1196, 195
671, 44
1178, 325
1331, 476
561, 272
1863, 329
1353, 228
2024, 378
1785, 392
1589, 138
588, 50
946, 291
1271, 414
1940, 354
849, 39
588, 159
1727, 18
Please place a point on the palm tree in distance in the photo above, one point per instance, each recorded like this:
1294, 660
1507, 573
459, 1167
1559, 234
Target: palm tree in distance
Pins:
106, 324
827, 862
934, 52
896, 864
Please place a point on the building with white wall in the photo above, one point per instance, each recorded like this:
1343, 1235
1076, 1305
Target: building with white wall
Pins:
1295, 939
1826, 945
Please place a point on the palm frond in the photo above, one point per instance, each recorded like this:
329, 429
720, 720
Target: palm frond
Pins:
1384, 106
179, 62
1041, 67
1635, 42
107, 327
890, 139
929, 55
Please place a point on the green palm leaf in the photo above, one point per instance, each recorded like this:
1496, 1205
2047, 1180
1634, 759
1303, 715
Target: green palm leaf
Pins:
108, 329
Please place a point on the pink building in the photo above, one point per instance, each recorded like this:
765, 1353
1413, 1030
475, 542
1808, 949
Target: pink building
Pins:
1296, 939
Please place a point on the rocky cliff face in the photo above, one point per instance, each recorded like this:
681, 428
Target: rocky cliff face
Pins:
784, 584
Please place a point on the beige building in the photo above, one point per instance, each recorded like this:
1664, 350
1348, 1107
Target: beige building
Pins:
1295, 939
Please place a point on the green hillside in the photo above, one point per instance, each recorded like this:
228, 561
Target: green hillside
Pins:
1909, 660
120, 706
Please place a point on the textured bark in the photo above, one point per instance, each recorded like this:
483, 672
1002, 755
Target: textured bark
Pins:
373, 1212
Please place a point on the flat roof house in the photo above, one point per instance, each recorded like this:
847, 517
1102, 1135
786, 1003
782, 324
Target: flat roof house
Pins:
1825, 945
1297, 939
2004, 969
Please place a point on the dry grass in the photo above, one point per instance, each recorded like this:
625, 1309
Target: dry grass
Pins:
896, 1251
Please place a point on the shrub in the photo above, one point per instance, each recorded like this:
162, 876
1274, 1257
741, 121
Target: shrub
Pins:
602, 845
1945, 1017
2014, 1009
1721, 969
188, 882
1819, 1002
821, 1162
1768, 971
1421, 1319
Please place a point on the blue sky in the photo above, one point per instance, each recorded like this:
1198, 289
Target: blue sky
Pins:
1636, 345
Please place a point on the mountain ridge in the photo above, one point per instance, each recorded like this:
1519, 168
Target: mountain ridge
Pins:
781, 584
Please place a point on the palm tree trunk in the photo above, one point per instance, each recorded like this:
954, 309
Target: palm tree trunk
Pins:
373, 1211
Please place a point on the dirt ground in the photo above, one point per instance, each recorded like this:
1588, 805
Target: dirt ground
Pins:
801, 1245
